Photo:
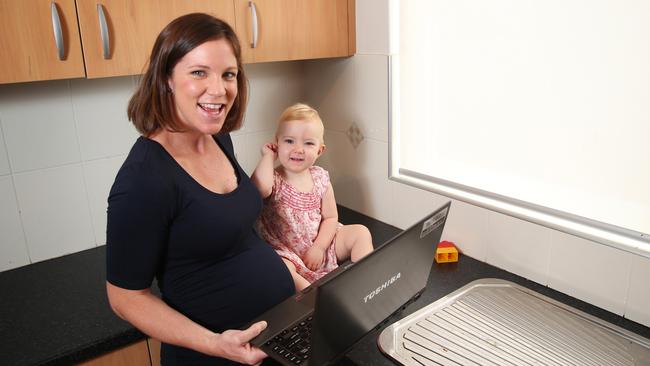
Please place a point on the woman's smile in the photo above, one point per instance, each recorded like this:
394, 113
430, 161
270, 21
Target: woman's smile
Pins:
214, 110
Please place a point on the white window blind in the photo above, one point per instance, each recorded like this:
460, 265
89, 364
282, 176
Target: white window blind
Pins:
537, 109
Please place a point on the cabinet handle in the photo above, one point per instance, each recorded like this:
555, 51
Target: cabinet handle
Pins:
254, 16
103, 31
58, 34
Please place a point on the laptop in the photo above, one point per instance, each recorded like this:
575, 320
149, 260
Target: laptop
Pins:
320, 324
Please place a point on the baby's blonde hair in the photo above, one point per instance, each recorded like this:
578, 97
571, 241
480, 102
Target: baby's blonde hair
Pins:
301, 112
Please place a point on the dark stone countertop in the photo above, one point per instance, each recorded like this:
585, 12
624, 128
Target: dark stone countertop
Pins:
56, 312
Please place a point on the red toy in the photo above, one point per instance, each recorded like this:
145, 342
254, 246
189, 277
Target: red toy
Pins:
446, 252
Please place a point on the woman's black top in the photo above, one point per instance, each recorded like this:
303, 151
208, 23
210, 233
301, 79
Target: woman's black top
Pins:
210, 264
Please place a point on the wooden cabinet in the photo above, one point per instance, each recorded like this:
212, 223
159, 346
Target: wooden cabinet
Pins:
154, 351
28, 47
143, 353
284, 30
132, 27
279, 30
134, 355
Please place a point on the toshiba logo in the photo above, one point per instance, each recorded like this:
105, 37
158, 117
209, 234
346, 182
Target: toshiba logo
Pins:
382, 287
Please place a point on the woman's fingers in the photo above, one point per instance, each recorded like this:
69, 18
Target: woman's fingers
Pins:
235, 344
253, 331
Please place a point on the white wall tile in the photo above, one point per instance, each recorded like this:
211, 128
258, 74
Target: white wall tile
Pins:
38, 125
100, 116
254, 142
410, 204
4, 160
638, 300
135, 81
99, 176
372, 17
332, 91
339, 167
371, 95
241, 147
273, 87
351, 90
359, 176
13, 251
55, 212
467, 227
519, 247
589, 271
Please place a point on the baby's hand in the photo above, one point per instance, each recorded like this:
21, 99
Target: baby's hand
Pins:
270, 148
314, 257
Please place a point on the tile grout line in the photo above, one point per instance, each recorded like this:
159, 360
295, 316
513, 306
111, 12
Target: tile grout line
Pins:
83, 165
628, 283
26, 171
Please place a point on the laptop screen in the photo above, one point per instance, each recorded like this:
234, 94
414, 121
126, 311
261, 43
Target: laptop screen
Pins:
356, 300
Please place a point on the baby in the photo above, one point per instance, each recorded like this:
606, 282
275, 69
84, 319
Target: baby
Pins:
299, 218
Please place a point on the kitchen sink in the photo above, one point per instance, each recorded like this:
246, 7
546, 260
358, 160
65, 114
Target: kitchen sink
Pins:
497, 322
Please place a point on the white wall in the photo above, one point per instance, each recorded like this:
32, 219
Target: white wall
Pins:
354, 92
62, 142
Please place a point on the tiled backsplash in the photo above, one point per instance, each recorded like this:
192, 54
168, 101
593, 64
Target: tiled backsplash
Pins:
62, 143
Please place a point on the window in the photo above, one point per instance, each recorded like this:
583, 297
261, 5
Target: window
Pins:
536, 109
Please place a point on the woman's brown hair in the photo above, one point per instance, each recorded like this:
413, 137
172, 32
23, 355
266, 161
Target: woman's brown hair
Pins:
152, 105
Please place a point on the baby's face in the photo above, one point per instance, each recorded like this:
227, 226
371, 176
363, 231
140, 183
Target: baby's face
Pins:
299, 144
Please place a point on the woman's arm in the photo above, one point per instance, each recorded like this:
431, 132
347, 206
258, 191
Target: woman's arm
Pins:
326, 231
152, 316
263, 175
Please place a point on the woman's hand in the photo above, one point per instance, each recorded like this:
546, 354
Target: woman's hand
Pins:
234, 345
270, 148
314, 257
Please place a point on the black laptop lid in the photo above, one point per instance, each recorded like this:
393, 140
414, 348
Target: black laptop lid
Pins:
356, 300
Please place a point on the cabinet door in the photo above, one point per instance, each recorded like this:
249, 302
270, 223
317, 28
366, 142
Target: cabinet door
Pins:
154, 351
28, 48
134, 355
132, 29
294, 29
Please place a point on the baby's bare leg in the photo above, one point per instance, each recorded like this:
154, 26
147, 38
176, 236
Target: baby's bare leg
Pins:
298, 280
353, 241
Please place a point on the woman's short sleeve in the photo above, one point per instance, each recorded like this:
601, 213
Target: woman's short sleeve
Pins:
139, 211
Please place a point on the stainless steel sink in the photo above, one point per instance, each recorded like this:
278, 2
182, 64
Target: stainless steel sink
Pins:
496, 322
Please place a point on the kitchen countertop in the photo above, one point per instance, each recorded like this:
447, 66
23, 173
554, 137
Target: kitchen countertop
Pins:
56, 311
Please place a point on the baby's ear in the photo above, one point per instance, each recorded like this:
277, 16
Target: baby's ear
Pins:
321, 149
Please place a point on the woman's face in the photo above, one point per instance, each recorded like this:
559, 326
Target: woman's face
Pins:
204, 84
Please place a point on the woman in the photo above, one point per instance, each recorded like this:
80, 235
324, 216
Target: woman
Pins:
182, 210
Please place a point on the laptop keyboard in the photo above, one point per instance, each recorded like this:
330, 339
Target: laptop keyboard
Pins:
293, 344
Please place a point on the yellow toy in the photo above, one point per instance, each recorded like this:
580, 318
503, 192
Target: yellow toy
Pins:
446, 252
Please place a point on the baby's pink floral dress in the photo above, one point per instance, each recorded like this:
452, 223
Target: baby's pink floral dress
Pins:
290, 220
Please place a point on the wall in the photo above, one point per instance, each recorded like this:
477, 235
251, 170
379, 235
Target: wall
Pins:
62, 142
352, 96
